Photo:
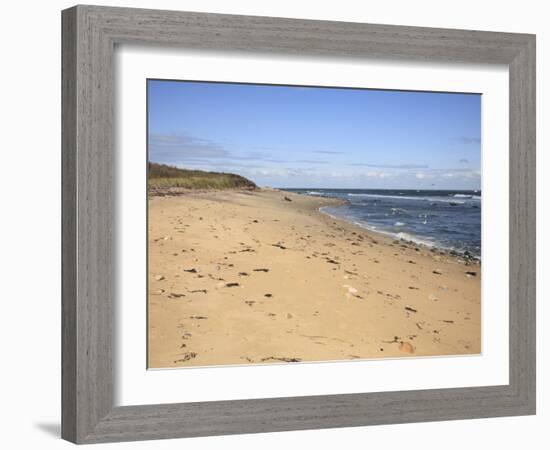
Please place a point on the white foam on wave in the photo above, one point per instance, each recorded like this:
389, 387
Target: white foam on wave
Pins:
405, 197
411, 238
400, 235
468, 197
318, 194
398, 224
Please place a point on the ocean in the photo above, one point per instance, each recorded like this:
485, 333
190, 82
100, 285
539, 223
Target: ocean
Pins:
444, 219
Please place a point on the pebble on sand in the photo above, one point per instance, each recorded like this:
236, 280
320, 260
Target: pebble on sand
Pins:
406, 347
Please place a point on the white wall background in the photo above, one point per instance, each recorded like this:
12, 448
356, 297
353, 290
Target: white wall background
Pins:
30, 226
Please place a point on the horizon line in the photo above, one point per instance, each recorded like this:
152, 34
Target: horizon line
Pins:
373, 189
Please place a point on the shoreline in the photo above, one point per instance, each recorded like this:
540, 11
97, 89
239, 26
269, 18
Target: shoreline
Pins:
464, 256
263, 276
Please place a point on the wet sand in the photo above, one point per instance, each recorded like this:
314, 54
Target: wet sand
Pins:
247, 277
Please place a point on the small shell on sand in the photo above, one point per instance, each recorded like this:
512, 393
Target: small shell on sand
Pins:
350, 289
159, 277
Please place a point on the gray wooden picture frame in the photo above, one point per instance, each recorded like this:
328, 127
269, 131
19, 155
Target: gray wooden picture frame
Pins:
90, 34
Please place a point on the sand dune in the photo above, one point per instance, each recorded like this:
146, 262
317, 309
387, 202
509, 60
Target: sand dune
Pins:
251, 277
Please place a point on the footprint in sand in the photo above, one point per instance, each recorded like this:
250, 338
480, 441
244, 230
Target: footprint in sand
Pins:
186, 357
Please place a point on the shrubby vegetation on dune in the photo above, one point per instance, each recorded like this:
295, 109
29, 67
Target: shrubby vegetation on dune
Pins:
162, 176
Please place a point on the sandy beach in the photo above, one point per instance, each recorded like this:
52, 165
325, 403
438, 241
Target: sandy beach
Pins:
262, 277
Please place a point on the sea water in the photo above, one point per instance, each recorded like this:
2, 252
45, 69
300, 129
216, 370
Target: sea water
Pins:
444, 219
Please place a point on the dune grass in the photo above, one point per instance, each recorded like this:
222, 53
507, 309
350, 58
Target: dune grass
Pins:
162, 176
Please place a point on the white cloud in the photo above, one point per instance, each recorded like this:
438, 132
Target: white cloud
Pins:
392, 166
376, 174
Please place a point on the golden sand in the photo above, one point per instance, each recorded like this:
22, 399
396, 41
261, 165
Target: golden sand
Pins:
242, 277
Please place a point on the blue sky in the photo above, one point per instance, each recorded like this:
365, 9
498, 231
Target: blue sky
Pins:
284, 136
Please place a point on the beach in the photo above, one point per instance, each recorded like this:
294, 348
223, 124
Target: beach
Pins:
262, 277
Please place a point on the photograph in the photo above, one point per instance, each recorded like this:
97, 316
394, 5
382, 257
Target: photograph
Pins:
295, 224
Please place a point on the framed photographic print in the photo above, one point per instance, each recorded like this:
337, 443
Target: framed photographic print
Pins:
278, 224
